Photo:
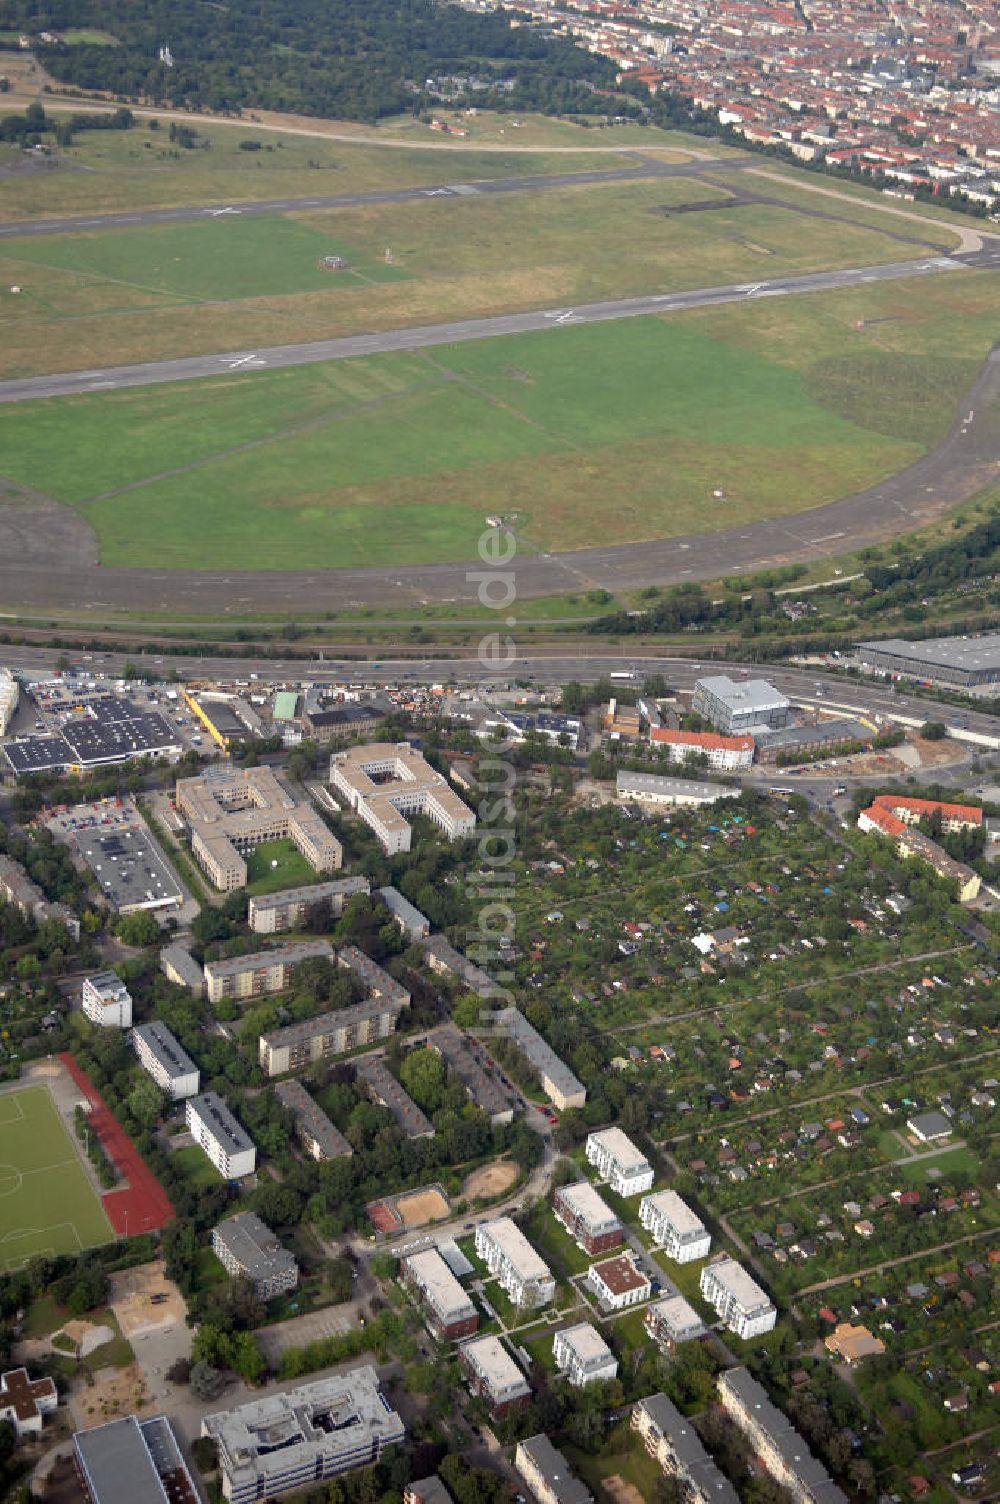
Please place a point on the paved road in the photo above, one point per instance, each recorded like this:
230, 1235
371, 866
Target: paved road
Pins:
644, 167
421, 337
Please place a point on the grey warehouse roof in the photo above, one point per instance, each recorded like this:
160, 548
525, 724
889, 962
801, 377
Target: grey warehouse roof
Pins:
949, 652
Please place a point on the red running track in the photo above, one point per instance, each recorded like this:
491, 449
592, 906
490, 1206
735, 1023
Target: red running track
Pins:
142, 1205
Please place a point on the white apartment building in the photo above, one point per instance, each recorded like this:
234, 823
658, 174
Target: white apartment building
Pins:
582, 1355
619, 1162
618, 1282
169, 1064
224, 1140
107, 1002
508, 1254
675, 1227
737, 1298
386, 782
493, 1374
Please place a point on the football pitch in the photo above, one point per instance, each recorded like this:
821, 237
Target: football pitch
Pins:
47, 1203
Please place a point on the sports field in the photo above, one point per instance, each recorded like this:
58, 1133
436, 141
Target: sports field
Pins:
47, 1203
588, 434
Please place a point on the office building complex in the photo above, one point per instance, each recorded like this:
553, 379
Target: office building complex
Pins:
961, 661
106, 1000
725, 753
286, 1443
230, 811
775, 1441
450, 1312
493, 1375
587, 1218
557, 1080
547, 1473
169, 1064
674, 1227
508, 1254
618, 1282
582, 1355
248, 1249
672, 1440
671, 1321
386, 782
627, 1170
735, 708
297, 1045
320, 1138
737, 1298
263, 971
271, 913
224, 1140
132, 1461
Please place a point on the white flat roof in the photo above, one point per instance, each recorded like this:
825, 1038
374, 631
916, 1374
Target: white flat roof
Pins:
677, 1212
621, 1148
587, 1203
586, 1341
516, 1249
738, 1282
442, 1289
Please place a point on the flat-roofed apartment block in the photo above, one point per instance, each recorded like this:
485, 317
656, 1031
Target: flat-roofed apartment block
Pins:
456, 1052
286, 1443
377, 983
385, 1091
180, 967
449, 1310
618, 1282
618, 1161
443, 958
587, 1218
106, 1001
415, 926
230, 811
493, 1375
224, 1140
26, 896
737, 1298
297, 1045
775, 1440
521, 1271
248, 1249
675, 1227
547, 1473
558, 1082
675, 1444
262, 972
582, 1355
272, 913
166, 1060
385, 782
671, 1321
132, 1461
320, 1138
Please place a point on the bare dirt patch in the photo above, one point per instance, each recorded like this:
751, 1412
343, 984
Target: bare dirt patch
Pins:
620, 1491
490, 1180
131, 1300
114, 1392
39, 531
422, 1206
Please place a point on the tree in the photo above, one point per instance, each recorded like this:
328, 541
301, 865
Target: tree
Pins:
934, 731
207, 1383
145, 1102
139, 929
423, 1075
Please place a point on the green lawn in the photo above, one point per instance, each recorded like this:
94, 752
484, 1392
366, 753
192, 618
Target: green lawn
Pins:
398, 458
47, 1203
196, 1166
277, 864
628, 1459
958, 1160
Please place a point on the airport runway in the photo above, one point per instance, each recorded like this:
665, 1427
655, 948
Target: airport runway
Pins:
645, 167
420, 337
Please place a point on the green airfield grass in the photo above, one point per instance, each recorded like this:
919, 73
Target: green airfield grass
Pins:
221, 257
47, 1203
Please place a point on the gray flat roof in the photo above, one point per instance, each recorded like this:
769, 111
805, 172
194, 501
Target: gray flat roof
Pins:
746, 694
117, 1465
538, 1051
280, 955
311, 893
658, 783
310, 1116
214, 1113
253, 1245
166, 1049
949, 652
842, 728
786, 1440
554, 1468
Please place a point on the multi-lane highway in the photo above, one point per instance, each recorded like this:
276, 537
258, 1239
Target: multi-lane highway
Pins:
424, 336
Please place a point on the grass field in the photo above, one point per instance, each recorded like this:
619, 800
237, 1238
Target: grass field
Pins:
47, 1203
290, 869
102, 296
781, 405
